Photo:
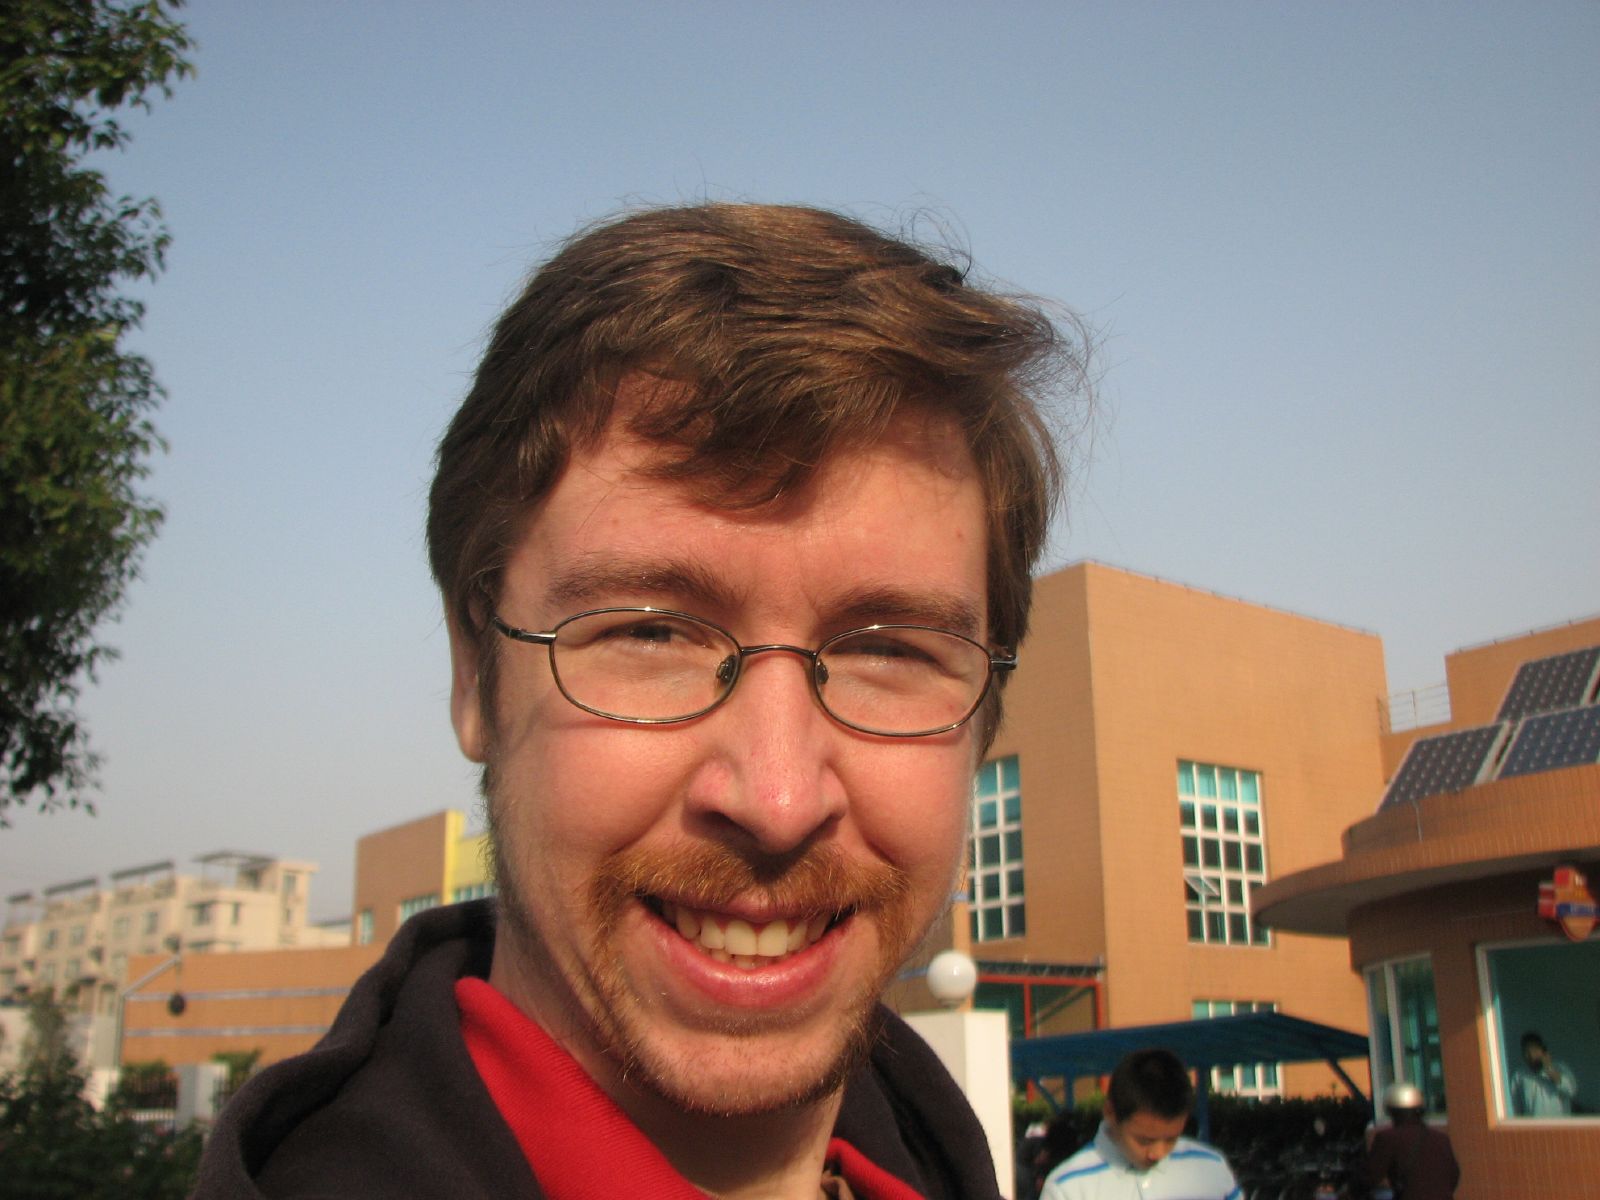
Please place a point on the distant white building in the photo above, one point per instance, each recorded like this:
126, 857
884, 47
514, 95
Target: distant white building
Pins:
75, 938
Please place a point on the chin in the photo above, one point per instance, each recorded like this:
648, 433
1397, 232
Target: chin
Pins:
750, 1075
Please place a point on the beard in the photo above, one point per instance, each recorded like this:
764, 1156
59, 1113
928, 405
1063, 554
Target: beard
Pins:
713, 876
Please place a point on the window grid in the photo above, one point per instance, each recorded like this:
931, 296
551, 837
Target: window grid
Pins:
995, 895
1224, 852
472, 891
1258, 1080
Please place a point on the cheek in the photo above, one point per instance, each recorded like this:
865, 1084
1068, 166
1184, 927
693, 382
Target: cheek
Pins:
588, 789
917, 811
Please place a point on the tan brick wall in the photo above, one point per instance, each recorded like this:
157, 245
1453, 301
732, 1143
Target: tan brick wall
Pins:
1479, 676
399, 863
1123, 676
1049, 725
238, 1002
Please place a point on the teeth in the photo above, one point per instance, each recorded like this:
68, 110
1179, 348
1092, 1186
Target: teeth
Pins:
774, 940
740, 938
735, 940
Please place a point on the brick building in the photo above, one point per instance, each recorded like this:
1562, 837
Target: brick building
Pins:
1451, 894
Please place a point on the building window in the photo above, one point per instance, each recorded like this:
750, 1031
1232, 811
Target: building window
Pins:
1244, 1079
1224, 852
152, 921
119, 927
1546, 1049
51, 937
410, 908
473, 891
202, 913
77, 935
994, 853
364, 927
74, 970
47, 974
1404, 1018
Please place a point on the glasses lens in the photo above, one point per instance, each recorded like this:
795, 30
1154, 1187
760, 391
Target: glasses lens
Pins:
902, 679
640, 665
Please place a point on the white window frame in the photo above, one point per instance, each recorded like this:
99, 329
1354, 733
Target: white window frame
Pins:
1007, 899
1389, 1073
1496, 1055
1259, 1090
1207, 885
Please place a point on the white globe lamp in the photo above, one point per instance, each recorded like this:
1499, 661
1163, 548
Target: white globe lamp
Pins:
952, 977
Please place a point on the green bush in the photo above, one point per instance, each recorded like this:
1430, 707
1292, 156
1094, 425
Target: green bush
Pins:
54, 1145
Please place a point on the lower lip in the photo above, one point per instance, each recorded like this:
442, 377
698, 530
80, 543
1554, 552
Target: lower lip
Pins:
787, 982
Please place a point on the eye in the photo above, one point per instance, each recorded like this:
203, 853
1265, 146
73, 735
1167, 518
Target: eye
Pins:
637, 631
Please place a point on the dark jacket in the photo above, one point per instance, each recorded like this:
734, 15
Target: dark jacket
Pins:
1417, 1160
389, 1104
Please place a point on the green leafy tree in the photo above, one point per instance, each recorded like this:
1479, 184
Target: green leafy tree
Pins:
54, 1144
75, 404
47, 1046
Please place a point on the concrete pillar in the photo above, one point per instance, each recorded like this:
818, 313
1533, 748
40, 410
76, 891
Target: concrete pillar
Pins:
975, 1048
198, 1085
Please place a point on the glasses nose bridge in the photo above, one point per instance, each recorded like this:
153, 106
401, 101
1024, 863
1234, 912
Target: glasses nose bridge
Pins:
815, 672
811, 656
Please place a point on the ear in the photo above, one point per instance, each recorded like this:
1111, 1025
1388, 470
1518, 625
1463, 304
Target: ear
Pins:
466, 705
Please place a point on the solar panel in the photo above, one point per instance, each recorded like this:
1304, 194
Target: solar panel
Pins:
1561, 739
1446, 763
1562, 681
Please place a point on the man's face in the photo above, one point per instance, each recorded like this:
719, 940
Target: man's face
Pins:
1533, 1054
624, 849
1144, 1138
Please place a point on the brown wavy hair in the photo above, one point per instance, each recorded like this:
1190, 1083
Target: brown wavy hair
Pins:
785, 335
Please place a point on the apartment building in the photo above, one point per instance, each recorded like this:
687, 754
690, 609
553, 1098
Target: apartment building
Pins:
76, 938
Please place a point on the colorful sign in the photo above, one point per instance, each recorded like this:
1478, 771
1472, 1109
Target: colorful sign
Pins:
1567, 900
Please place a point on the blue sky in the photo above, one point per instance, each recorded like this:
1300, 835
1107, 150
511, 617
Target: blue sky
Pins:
1343, 260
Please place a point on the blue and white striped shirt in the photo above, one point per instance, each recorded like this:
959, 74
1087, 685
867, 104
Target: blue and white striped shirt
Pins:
1100, 1171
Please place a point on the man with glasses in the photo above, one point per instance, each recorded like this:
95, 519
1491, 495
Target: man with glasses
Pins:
734, 533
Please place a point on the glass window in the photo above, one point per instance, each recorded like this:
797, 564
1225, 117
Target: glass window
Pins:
995, 866
1222, 837
1243, 1079
1405, 1028
364, 927
1546, 1048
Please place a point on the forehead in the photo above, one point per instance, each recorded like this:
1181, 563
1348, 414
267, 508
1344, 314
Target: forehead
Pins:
1148, 1126
902, 519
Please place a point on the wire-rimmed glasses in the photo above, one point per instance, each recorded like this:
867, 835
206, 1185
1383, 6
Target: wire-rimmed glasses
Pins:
654, 666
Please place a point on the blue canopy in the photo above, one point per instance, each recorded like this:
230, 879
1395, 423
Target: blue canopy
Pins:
1202, 1044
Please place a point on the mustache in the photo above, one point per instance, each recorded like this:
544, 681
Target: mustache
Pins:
815, 879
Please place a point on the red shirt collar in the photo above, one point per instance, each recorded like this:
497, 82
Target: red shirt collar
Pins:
580, 1145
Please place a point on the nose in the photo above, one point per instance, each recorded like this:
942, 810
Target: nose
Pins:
769, 767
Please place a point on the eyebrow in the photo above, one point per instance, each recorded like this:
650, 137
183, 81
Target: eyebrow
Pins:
583, 582
692, 586
887, 605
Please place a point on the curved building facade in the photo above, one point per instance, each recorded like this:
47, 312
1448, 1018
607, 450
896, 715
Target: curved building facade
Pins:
1468, 902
